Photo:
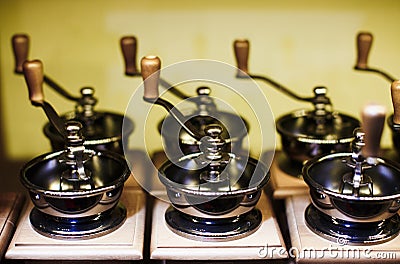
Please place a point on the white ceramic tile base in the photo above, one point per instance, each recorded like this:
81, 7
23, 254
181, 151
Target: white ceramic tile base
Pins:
166, 245
125, 243
311, 248
284, 185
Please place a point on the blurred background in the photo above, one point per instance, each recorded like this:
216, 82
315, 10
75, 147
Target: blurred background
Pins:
301, 44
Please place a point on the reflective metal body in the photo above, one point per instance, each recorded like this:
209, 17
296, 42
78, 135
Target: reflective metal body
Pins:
224, 210
177, 140
102, 131
304, 138
89, 208
343, 212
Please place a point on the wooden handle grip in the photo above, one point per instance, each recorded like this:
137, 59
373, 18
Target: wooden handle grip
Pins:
20, 45
364, 42
395, 90
241, 48
33, 73
151, 66
129, 49
373, 120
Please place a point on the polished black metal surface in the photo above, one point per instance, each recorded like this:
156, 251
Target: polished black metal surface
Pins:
353, 198
78, 228
351, 232
76, 191
206, 229
235, 129
213, 192
103, 131
304, 137
55, 195
181, 135
186, 187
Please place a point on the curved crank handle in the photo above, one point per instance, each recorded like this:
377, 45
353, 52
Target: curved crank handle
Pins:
33, 73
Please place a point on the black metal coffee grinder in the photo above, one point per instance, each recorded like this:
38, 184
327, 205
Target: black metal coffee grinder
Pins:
75, 191
305, 133
213, 192
355, 195
103, 130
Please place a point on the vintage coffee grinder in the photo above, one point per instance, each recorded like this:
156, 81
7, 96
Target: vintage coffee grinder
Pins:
355, 195
103, 130
75, 191
205, 112
213, 191
305, 133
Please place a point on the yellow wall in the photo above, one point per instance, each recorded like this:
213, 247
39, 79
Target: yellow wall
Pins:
301, 44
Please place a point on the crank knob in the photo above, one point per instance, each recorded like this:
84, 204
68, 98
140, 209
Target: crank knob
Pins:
241, 48
129, 49
151, 66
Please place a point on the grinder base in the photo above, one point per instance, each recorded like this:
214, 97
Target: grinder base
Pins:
213, 229
351, 233
78, 228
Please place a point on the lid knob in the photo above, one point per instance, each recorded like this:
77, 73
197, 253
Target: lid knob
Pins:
87, 101
74, 133
75, 157
211, 146
358, 143
203, 90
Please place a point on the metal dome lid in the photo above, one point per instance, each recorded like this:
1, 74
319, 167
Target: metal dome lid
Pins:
206, 113
99, 127
320, 125
75, 171
213, 172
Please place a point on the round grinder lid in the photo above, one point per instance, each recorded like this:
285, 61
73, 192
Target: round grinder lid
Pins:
234, 127
327, 173
101, 128
305, 126
75, 171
